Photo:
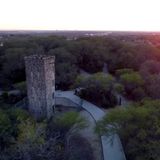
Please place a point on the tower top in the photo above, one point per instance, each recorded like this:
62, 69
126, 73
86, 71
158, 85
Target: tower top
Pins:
39, 57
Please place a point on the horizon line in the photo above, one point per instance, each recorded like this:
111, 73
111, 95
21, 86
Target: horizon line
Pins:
76, 30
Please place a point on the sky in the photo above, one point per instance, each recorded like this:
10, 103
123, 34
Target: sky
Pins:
120, 15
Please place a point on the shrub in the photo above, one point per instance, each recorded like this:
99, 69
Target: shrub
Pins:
79, 149
119, 72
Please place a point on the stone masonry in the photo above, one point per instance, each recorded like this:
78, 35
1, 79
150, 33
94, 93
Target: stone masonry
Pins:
40, 76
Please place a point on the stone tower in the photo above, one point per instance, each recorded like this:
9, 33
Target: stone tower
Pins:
40, 75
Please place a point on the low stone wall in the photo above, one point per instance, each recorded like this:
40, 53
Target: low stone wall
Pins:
22, 104
58, 101
65, 102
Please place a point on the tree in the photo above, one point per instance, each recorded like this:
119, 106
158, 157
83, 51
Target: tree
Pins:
10, 119
119, 72
65, 75
150, 67
13, 65
6, 131
98, 85
66, 69
153, 85
119, 88
63, 56
133, 83
89, 53
138, 127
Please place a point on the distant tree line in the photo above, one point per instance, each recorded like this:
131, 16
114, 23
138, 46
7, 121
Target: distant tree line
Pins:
134, 65
134, 72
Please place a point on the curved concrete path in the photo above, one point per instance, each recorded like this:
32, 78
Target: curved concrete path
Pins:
111, 150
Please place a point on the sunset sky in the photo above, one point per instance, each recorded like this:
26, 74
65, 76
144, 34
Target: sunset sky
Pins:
130, 15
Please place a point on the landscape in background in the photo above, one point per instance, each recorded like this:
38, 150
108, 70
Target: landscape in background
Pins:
116, 73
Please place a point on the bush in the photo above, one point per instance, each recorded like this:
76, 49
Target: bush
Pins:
64, 122
79, 149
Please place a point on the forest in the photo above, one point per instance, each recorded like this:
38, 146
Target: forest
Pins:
133, 64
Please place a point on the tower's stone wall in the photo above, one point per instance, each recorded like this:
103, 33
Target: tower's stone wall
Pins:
40, 75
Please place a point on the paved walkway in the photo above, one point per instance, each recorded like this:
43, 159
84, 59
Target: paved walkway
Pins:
111, 151
89, 134
105, 68
124, 101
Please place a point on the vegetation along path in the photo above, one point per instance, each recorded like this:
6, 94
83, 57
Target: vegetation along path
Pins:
111, 150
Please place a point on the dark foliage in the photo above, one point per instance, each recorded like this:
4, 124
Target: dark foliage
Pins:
138, 126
